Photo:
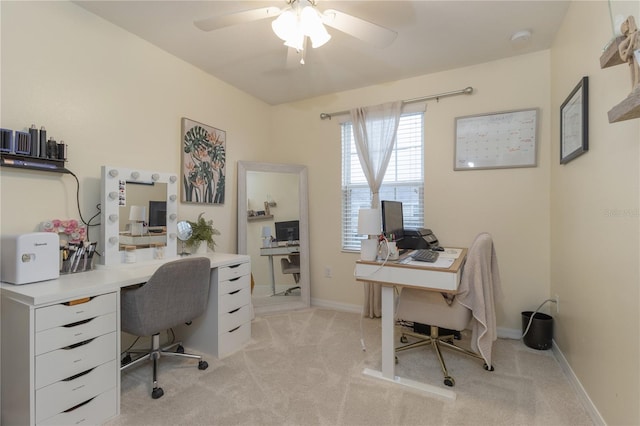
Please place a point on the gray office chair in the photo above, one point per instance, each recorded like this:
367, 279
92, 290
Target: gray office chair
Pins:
291, 266
175, 294
429, 312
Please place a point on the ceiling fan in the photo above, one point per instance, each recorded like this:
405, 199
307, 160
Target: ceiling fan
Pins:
301, 20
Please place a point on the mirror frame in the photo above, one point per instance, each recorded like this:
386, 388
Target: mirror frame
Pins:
109, 215
303, 199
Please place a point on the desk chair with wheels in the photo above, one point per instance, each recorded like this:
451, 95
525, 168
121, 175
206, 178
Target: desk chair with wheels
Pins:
291, 266
175, 294
472, 305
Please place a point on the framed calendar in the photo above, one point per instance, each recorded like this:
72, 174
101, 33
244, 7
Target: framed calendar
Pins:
496, 140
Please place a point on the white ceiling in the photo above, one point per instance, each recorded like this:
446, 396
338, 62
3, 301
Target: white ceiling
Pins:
432, 36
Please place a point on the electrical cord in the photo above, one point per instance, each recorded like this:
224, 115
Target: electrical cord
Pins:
534, 314
88, 223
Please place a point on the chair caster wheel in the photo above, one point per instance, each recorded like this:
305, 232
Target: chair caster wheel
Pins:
449, 381
203, 365
157, 393
486, 367
180, 349
403, 339
126, 360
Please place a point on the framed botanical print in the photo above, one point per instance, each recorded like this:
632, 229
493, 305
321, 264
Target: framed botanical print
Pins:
203, 163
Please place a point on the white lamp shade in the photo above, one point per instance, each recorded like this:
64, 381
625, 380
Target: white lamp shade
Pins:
266, 231
285, 25
138, 213
311, 23
369, 222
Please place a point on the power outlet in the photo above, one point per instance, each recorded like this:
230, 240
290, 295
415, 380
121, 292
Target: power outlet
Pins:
557, 304
328, 272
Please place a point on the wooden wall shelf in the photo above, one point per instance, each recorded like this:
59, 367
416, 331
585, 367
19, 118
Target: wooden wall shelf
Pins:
262, 217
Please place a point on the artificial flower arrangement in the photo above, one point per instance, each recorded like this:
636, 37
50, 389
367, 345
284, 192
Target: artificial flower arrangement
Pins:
75, 232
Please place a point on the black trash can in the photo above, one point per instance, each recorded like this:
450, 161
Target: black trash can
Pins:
540, 334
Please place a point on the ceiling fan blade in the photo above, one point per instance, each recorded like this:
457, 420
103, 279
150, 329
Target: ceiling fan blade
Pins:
217, 22
359, 28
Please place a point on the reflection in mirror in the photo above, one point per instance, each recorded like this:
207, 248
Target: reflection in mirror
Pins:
270, 194
127, 197
184, 233
146, 205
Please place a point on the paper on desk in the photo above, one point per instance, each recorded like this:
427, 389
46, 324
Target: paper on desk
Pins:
450, 253
440, 263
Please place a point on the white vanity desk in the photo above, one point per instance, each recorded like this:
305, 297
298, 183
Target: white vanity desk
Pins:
61, 361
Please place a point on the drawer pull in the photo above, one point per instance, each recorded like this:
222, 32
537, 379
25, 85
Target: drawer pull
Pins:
234, 329
234, 311
236, 291
75, 324
75, 345
75, 376
77, 301
234, 266
78, 406
235, 279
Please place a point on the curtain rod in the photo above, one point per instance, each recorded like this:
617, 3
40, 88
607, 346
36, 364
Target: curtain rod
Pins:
465, 91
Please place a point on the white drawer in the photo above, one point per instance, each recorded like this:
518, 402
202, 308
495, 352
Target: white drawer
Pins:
61, 396
93, 412
229, 286
233, 340
231, 301
230, 320
60, 337
61, 314
233, 271
62, 363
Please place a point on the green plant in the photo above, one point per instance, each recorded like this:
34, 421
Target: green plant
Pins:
202, 230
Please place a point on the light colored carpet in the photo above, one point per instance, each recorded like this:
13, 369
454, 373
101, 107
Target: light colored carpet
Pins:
305, 368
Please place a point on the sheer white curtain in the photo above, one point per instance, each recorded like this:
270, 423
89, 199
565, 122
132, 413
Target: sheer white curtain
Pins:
375, 129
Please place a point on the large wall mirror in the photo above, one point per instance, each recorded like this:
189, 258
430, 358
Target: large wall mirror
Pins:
273, 229
138, 213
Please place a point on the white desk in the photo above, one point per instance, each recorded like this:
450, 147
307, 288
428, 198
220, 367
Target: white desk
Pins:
277, 251
47, 342
418, 275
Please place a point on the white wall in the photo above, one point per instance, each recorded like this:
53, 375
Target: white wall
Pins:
114, 99
511, 204
595, 223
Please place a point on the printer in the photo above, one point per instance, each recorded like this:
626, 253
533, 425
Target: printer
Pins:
419, 238
30, 258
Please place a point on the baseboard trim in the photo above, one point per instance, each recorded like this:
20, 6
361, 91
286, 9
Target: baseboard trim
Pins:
583, 396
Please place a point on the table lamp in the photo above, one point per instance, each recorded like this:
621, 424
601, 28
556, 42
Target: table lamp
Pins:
137, 216
369, 223
266, 236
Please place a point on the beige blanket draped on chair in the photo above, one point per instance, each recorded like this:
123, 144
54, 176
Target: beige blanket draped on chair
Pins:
479, 290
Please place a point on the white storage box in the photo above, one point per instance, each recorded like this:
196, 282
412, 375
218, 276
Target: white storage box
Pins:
29, 258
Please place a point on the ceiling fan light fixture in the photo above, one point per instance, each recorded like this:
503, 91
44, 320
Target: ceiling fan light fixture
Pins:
293, 26
285, 25
311, 23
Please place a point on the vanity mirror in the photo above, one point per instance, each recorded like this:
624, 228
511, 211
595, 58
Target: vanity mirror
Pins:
129, 198
268, 194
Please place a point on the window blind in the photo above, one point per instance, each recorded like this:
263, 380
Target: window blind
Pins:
403, 180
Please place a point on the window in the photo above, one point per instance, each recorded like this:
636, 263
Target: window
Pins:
403, 181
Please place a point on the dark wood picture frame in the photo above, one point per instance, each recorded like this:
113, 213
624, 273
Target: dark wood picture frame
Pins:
574, 123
